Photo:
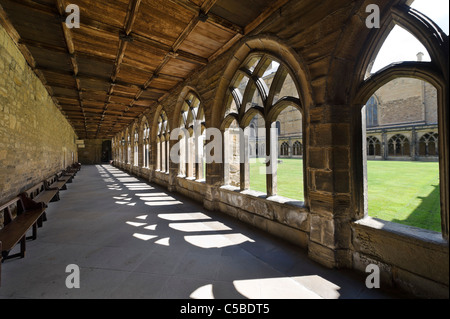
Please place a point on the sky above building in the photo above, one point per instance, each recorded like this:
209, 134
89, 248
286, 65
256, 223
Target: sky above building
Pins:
400, 45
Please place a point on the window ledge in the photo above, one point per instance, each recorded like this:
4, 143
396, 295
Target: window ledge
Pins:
254, 193
286, 200
403, 230
276, 198
230, 188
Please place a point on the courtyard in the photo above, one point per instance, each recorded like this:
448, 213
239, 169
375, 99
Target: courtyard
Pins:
398, 191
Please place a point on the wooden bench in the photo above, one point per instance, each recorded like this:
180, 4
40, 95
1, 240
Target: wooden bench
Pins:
20, 215
0, 264
43, 193
60, 181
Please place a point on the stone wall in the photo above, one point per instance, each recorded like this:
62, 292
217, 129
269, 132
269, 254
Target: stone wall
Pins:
36, 140
406, 100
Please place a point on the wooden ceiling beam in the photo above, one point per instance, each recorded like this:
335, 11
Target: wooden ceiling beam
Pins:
61, 8
39, 7
83, 76
40, 45
173, 53
158, 46
124, 36
203, 13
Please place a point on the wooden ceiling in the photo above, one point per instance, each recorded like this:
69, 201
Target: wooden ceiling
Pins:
127, 55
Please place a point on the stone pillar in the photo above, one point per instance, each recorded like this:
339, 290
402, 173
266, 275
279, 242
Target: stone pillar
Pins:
384, 145
291, 148
271, 158
329, 186
413, 146
215, 176
173, 168
244, 161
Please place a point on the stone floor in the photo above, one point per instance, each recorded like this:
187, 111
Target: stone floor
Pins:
134, 240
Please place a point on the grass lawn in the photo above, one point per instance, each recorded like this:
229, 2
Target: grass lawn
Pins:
289, 174
402, 192
405, 193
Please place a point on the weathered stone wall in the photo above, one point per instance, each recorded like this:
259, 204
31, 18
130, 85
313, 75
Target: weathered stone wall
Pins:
414, 259
36, 140
406, 100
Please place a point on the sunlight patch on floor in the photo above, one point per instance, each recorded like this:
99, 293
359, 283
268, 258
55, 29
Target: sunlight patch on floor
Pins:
217, 241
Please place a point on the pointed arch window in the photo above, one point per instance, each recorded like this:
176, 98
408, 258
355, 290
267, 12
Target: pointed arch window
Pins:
128, 161
136, 148
428, 145
297, 149
162, 143
146, 145
284, 149
373, 146
398, 145
192, 123
261, 98
372, 112
400, 120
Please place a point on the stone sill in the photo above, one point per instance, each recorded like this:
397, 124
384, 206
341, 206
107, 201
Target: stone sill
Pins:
191, 179
276, 198
409, 233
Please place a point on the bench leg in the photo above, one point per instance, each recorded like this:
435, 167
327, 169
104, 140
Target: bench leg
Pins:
35, 225
34, 234
55, 198
41, 220
23, 246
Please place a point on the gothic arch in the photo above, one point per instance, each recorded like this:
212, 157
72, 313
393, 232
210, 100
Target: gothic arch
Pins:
434, 72
274, 47
176, 116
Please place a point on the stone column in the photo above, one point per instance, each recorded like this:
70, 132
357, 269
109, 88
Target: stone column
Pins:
271, 158
329, 186
414, 147
173, 168
244, 161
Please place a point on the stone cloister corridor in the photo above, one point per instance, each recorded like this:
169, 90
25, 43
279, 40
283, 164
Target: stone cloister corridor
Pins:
226, 149
142, 242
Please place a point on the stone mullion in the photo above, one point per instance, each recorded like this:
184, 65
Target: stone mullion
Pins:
244, 161
271, 159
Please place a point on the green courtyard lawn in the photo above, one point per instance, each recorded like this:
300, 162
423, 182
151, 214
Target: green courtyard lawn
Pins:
405, 193
401, 192
289, 174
